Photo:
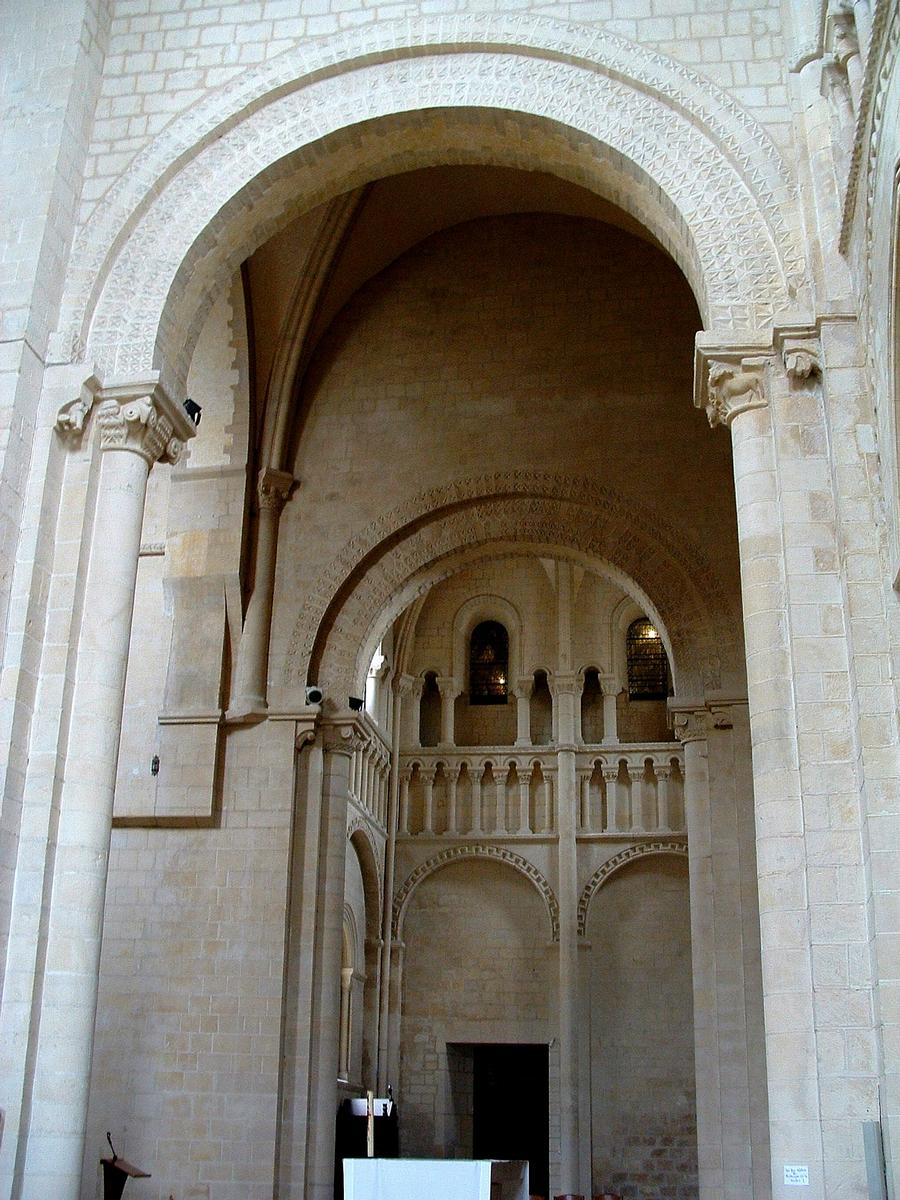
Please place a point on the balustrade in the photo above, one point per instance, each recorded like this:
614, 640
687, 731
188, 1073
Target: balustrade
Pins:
493, 793
370, 778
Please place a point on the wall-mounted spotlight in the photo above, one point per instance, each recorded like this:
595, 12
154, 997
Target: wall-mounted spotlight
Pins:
193, 410
355, 703
154, 765
314, 694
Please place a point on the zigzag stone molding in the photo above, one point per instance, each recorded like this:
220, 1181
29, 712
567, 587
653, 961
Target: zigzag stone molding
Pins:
628, 855
731, 208
474, 850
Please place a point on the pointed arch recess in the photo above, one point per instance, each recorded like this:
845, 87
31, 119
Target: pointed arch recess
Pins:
473, 850
646, 132
629, 855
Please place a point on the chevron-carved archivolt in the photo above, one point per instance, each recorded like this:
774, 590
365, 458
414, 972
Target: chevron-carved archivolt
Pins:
628, 855
474, 850
657, 140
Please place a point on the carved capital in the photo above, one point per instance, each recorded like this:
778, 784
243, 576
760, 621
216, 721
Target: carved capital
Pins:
403, 684
801, 357
524, 687
140, 417
448, 686
273, 489
343, 735
565, 685
610, 774
72, 416
691, 725
735, 388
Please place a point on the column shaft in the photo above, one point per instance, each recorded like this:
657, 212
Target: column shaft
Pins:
135, 431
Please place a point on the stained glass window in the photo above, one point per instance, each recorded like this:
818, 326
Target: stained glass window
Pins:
648, 667
488, 664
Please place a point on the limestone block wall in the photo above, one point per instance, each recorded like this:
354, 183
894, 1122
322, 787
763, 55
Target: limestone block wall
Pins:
187, 1049
478, 968
166, 55
441, 365
188, 606
644, 1137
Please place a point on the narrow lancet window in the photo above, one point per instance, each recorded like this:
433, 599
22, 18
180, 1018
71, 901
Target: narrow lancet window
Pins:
488, 664
648, 667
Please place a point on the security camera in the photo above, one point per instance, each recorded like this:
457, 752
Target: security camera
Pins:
314, 695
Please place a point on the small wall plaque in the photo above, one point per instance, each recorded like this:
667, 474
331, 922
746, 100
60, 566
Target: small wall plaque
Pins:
795, 1176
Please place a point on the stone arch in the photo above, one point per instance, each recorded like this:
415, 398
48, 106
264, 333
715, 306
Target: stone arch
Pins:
485, 607
383, 568
647, 133
369, 864
614, 864
473, 850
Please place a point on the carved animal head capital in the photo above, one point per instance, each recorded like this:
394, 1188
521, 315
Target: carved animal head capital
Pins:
72, 416
734, 388
801, 357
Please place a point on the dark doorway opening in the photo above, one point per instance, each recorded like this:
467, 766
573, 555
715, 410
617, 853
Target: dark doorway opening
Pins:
511, 1107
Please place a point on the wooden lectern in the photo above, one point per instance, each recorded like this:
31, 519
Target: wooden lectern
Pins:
117, 1172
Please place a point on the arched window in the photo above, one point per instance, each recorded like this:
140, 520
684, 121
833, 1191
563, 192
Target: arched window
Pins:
648, 667
488, 664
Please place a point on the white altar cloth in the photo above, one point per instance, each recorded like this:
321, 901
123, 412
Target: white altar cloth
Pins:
416, 1179
422, 1178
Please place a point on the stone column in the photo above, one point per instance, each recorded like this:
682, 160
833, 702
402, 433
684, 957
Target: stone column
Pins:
611, 778
574, 1167
251, 674
138, 425
584, 790
426, 778
523, 690
475, 782
524, 778
636, 797
663, 775
449, 689
610, 712
405, 777
451, 774
806, 507
728, 1041
397, 822
340, 737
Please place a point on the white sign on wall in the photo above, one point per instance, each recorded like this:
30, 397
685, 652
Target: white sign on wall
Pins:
795, 1176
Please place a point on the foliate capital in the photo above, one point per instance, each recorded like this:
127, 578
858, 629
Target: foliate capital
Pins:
139, 416
343, 735
274, 488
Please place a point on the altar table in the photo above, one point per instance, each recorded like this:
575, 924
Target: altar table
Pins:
422, 1178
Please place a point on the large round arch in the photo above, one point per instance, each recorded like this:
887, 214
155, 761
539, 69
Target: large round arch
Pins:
457, 854
643, 131
386, 566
